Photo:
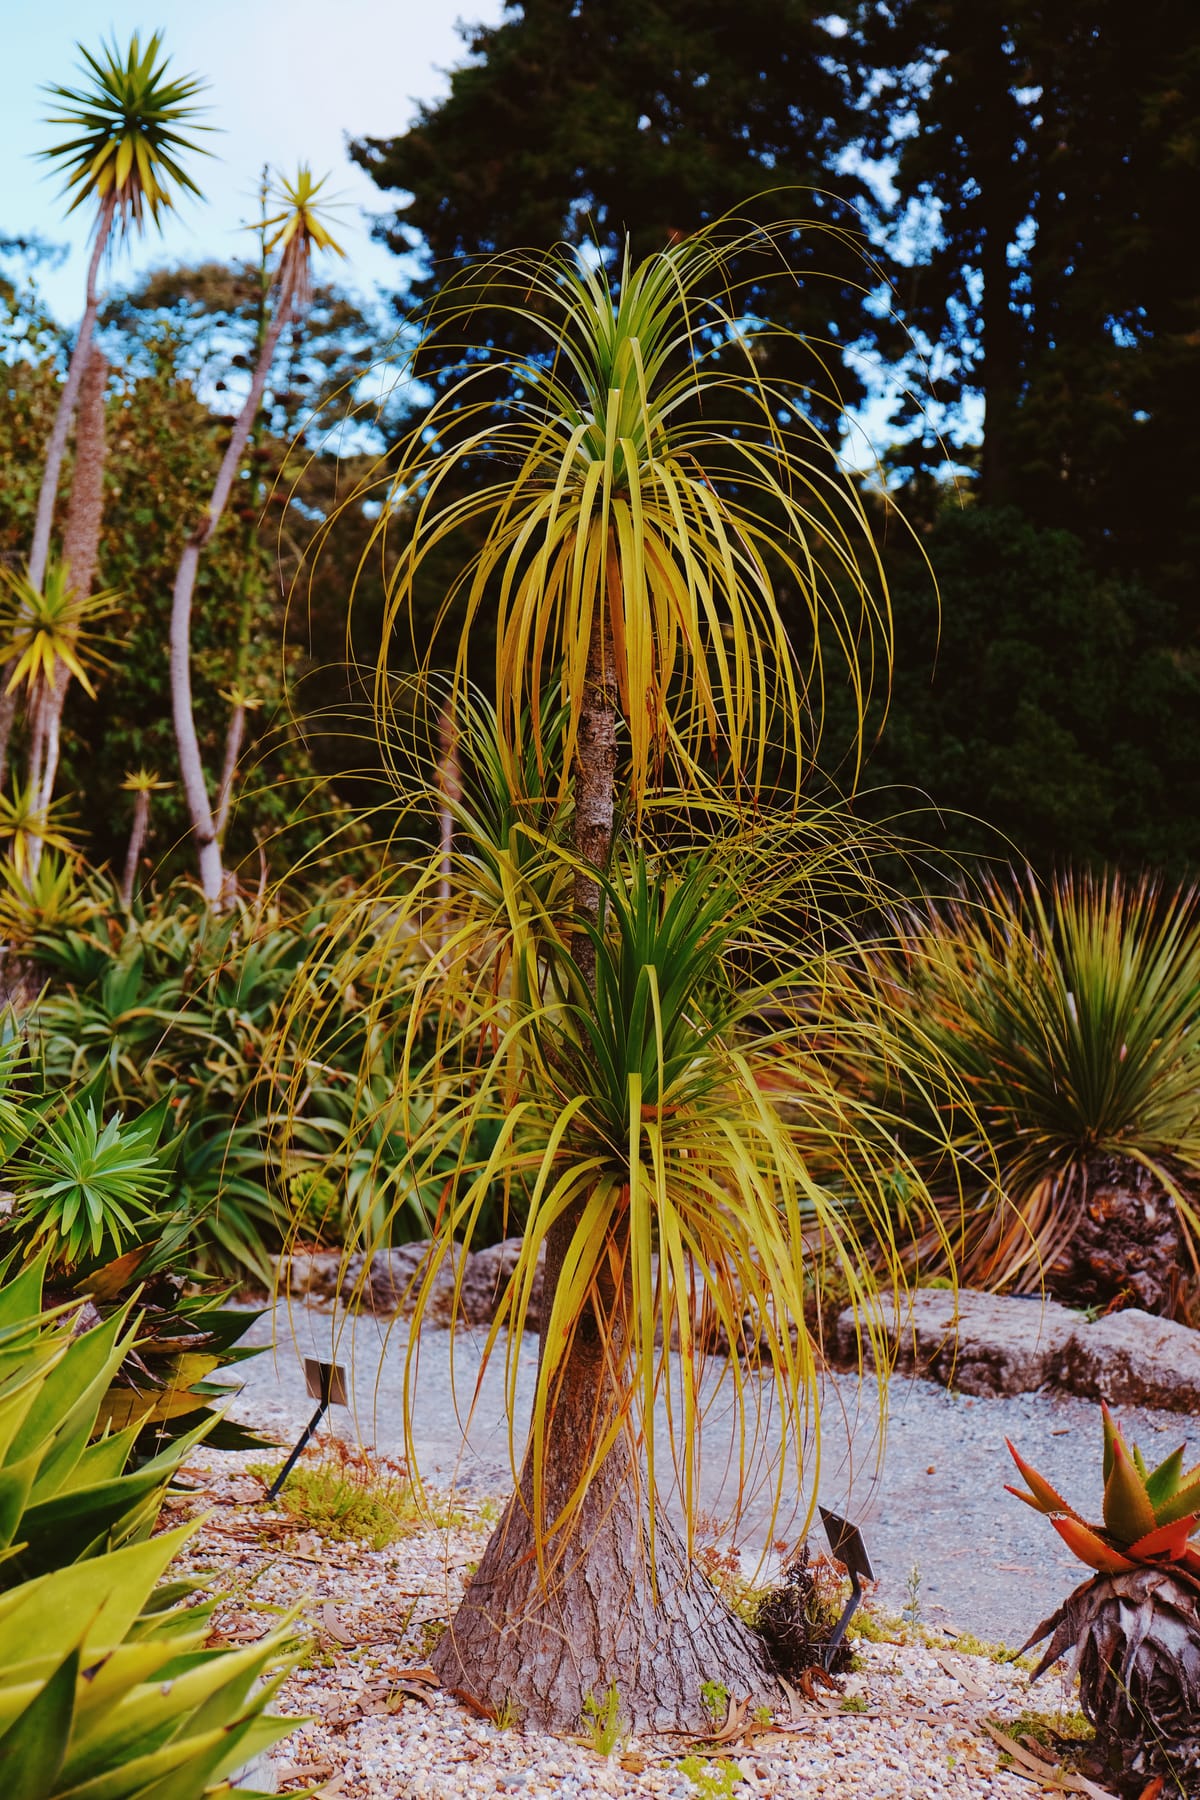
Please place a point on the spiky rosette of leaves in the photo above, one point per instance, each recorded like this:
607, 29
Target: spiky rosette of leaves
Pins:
132, 126
1149, 1515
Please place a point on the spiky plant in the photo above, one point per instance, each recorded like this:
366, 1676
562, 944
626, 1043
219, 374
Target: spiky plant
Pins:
1135, 1627
622, 922
132, 130
1069, 1017
143, 784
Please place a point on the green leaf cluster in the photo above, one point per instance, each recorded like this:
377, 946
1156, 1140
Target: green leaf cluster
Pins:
108, 1687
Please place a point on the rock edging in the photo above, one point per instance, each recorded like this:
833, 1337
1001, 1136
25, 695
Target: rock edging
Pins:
992, 1344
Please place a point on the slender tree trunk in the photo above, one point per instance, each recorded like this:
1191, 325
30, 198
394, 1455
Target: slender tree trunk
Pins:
81, 553
235, 731
615, 1599
137, 841
195, 788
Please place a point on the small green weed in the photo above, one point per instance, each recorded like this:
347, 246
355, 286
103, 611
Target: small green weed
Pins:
912, 1600
346, 1495
507, 1716
602, 1721
714, 1696
854, 1703
714, 1778
343, 1498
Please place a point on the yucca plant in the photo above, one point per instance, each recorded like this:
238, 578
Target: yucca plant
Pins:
627, 514
131, 131
1135, 1627
88, 1186
1069, 1017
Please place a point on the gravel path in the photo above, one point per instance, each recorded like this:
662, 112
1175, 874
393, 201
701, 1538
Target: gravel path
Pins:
935, 1502
912, 1723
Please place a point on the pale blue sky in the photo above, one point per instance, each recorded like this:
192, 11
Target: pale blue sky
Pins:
289, 80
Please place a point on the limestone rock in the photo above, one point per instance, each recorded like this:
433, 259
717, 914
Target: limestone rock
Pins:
485, 1279
976, 1342
311, 1274
1133, 1358
392, 1281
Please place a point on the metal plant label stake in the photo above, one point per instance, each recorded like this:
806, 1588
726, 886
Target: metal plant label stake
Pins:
845, 1541
327, 1385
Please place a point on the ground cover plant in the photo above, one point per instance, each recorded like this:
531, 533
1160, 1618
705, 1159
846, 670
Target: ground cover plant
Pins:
631, 930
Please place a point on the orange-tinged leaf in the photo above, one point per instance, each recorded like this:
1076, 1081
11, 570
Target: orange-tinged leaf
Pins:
1045, 1499
1169, 1541
1090, 1548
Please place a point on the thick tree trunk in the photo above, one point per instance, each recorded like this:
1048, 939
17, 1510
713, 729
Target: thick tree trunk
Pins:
613, 1600
1126, 1244
195, 788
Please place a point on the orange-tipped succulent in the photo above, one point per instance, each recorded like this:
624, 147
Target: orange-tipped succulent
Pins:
1150, 1515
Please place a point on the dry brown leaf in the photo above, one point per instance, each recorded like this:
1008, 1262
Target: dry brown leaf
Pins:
1066, 1781
473, 1705
968, 1682
423, 1672
333, 1627
632, 1763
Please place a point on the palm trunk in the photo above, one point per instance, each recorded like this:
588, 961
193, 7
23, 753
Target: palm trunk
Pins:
614, 1599
40, 549
81, 552
137, 841
43, 524
204, 829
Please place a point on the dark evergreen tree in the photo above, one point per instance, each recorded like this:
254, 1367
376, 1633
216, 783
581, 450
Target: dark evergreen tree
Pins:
589, 119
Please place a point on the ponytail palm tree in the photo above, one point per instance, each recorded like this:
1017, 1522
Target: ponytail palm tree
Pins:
294, 231
131, 133
629, 969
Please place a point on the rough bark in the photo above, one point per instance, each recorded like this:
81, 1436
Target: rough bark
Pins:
191, 767
81, 554
39, 552
1126, 1244
614, 1600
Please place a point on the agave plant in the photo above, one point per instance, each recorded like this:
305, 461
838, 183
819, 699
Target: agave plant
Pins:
1135, 1627
1069, 1017
108, 1682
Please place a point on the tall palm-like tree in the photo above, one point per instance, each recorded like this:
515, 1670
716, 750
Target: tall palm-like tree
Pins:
294, 231
124, 156
629, 956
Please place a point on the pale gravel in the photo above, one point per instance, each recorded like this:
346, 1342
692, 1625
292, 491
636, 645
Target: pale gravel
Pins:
364, 1739
934, 1499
